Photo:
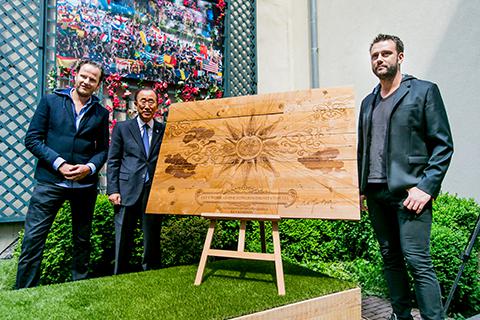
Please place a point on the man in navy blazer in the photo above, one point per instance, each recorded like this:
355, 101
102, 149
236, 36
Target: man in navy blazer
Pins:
69, 136
132, 158
404, 150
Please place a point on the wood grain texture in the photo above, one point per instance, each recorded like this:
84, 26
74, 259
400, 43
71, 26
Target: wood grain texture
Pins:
289, 154
344, 305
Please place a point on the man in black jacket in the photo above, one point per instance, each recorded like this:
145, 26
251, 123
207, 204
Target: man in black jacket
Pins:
131, 165
404, 150
69, 136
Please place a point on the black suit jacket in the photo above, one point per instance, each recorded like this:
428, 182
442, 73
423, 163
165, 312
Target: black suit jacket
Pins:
418, 144
127, 162
52, 134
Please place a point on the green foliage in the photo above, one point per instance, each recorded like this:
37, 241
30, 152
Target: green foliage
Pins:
182, 239
454, 220
343, 249
8, 268
328, 241
361, 271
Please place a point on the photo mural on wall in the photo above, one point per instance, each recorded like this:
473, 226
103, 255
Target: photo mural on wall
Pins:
175, 46
159, 40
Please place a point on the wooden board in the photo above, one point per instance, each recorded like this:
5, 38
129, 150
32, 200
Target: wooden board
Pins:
290, 154
344, 305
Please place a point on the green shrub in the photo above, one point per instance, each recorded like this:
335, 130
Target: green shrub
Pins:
454, 220
344, 249
181, 242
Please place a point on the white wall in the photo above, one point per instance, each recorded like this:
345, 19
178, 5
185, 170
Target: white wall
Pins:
441, 45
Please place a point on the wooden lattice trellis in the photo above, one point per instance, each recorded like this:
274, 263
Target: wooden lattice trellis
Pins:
19, 67
241, 48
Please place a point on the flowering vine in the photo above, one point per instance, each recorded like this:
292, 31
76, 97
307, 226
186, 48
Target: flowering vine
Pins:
163, 99
221, 5
117, 88
187, 93
64, 74
52, 79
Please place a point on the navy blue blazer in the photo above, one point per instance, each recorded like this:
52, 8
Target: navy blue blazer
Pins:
418, 144
127, 161
52, 134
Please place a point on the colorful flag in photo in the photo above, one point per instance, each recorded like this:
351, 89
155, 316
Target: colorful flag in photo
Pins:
167, 58
159, 59
203, 49
169, 61
210, 66
121, 18
157, 32
65, 62
123, 65
81, 33
118, 40
143, 37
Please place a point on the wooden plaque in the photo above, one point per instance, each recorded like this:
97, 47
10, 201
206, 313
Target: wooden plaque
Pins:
290, 154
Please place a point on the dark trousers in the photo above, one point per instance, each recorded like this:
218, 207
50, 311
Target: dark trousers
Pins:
45, 202
404, 239
126, 219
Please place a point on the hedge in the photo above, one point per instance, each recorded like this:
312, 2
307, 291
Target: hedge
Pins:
343, 249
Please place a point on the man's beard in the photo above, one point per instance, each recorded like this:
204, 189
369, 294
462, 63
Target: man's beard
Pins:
389, 74
82, 92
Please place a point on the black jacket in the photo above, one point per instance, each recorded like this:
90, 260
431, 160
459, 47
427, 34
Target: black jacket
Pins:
52, 134
418, 144
127, 162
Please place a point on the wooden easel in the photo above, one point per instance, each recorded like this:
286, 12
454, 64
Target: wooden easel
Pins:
240, 253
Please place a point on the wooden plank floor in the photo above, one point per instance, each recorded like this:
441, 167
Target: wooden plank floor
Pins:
375, 308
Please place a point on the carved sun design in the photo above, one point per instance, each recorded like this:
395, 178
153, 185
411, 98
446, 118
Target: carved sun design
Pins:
251, 146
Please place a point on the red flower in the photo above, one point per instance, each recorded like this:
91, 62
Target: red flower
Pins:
112, 124
116, 102
221, 4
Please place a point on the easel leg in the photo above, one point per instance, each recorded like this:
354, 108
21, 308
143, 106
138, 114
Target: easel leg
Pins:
241, 236
206, 248
278, 259
262, 236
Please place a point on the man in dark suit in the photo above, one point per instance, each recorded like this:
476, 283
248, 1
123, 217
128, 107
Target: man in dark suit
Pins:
131, 165
404, 150
69, 136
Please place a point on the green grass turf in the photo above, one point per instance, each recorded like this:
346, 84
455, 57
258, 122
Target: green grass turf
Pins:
230, 288
8, 268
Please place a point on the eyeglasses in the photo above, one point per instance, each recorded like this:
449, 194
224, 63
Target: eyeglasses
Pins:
150, 102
